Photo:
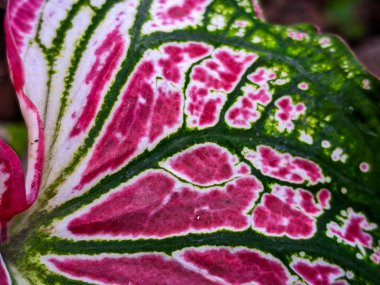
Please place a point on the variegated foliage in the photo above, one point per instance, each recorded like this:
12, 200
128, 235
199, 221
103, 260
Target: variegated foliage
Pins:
187, 142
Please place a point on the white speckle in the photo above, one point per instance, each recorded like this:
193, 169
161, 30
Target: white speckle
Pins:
325, 144
343, 158
343, 190
359, 256
366, 84
304, 137
256, 40
328, 179
302, 253
281, 81
324, 42
349, 275
336, 154
142, 100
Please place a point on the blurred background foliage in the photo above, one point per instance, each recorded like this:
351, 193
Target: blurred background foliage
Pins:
356, 21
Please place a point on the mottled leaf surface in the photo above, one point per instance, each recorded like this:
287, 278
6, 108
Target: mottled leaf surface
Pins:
189, 142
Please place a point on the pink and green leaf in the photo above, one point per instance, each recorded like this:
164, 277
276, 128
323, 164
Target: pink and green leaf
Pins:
188, 142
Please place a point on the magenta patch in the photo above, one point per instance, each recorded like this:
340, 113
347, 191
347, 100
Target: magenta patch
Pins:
169, 15
288, 112
206, 164
289, 212
13, 198
375, 256
120, 140
318, 272
175, 55
157, 205
166, 111
237, 266
107, 55
137, 269
297, 36
21, 17
284, 166
149, 110
353, 230
244, 111
210, 81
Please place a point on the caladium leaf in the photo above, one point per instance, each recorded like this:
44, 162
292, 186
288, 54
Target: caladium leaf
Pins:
190, 142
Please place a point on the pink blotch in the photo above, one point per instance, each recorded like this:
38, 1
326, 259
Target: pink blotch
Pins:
319, 272
108, 55
281, 212
166, 111
182, 11
208, 80
206, 164
237, 266
262, 76
20, 19
153, 206
298, 36
142, 269
177, 55
120, 141
288, 112
364, 167
324, 196
352, 231
274, 217
284, 166
165, 14
303, 86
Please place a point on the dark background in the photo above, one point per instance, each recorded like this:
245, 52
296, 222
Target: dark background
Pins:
357, 21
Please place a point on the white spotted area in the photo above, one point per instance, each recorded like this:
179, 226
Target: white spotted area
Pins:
325, 42
35, 69
169, 15
97, 3
306, 138
240, 27
366, 84
4, 176
325, 144
217, 22
339, 155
